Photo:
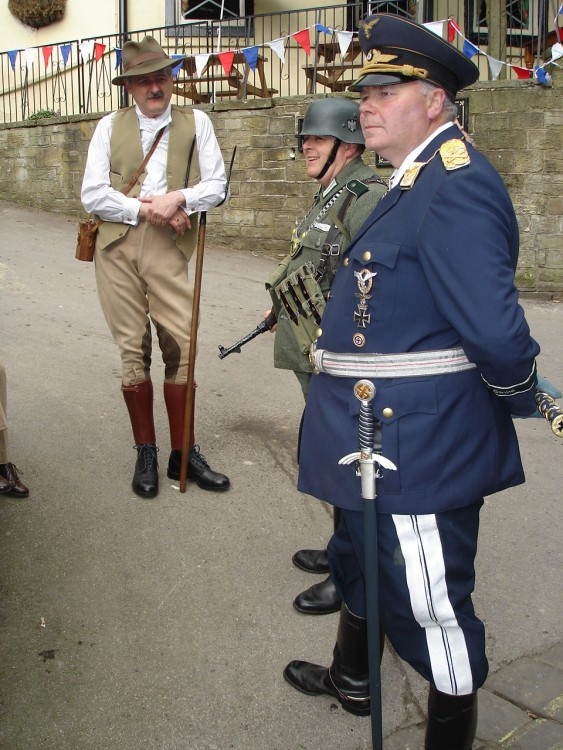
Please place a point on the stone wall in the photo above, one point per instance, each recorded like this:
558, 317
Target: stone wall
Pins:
517, 125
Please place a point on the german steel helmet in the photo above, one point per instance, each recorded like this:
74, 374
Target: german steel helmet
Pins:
337, 117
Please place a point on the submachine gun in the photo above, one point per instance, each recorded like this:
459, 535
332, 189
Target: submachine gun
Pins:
265, 325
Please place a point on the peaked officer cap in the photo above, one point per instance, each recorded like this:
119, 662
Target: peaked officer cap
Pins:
398, 51
141, 58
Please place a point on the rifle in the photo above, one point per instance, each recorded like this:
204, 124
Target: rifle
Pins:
265, 325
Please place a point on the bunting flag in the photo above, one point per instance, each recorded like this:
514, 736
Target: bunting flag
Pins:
30, 57
453, 29
436, 27
13, 55
178, 67
542, 76
557, 51
201, 61
495, 66
303, 39
47, 52
99, 50
469, 49
251, 56
278, 46
65, 52
521, 72
86, 50
117, 51
226, 59
344, 41
324, 29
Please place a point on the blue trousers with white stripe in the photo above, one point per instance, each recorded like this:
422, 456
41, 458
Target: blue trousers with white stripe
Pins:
426, 579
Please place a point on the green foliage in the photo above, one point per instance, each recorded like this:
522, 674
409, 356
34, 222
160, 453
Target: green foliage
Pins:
43, 114
37, 13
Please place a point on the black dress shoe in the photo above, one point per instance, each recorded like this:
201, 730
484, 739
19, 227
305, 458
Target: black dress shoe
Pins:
311, 560
199, 470
320, 599
145, 479
9, 476
312, 679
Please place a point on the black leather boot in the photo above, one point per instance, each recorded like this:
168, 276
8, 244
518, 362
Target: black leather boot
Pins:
139, 400
199, 470
347, 679
145, 478
320, 599
452, 721
311, 560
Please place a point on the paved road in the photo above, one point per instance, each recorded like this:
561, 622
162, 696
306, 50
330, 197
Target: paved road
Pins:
167, 623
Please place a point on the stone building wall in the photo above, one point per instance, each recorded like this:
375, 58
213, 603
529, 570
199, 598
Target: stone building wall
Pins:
517, 125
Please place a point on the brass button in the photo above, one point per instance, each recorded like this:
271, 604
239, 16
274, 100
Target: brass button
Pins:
366, 255
319, 333
387, 412
346, 261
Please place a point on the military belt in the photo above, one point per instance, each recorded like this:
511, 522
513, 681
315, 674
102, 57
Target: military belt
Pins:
401, 365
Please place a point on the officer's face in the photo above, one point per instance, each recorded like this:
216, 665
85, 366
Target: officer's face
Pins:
316, 150
152, 93
396, 119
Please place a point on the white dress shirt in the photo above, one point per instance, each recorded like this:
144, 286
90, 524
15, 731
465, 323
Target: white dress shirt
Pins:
397, 174
109, 204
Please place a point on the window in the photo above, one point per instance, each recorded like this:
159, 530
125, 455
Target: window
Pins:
522, 19
202, 17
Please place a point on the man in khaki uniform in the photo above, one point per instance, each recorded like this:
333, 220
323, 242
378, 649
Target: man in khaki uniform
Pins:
148, 234
332, 144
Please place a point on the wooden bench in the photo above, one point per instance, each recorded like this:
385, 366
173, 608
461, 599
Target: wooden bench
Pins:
336, 76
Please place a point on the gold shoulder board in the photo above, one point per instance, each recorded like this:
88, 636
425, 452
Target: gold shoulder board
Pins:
454, 154
411, 174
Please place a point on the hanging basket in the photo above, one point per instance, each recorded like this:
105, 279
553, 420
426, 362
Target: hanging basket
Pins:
37, 13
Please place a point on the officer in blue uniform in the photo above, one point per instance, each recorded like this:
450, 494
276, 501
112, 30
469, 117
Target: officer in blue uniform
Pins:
425, 308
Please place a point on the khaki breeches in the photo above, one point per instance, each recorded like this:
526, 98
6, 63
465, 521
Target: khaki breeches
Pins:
3, 418
140, 278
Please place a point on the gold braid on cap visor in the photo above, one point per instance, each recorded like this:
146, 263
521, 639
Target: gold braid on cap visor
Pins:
409, 71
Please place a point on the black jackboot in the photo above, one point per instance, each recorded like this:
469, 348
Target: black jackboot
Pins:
320, 599
347, 679
139, 399
451, 722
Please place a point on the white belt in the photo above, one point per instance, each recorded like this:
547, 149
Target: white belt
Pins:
411, 364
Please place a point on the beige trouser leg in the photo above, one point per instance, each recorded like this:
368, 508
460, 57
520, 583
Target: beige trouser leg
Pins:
3, 419
143, 275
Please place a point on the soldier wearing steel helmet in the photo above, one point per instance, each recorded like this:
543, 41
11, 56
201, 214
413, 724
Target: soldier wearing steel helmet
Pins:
332, 144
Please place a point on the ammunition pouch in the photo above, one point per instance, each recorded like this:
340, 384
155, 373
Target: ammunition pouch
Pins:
301, 297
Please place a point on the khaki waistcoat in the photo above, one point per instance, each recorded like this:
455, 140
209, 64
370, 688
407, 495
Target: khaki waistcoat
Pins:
126, 156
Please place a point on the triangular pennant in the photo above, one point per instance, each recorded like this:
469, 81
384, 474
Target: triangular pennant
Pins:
13, 55
324, 29
453, 29
251, 56
542, 76
495, 67
226, 59
303, 39
86, 50
278, 46
556, 51
47, 52
65, 52
117, 57
436, 27
201, 61
469, 49
178, 67
344, 40
99, 50
521, 73
29, 57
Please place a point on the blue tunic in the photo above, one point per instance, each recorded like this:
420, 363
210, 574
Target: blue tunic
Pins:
444, 252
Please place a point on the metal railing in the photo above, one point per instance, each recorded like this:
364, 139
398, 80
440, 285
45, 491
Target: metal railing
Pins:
74, 77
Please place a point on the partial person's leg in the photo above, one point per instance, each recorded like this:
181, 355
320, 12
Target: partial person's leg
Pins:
10, 482
123, 298
427, 579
